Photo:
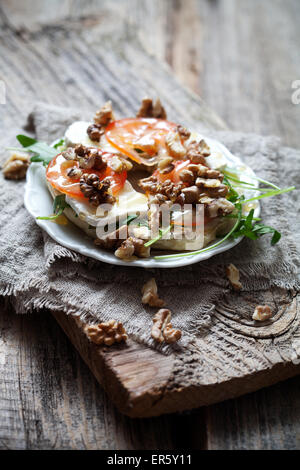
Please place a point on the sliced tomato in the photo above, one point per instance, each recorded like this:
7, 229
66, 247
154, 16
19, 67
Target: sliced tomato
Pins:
57, 176
174, 175
133, 136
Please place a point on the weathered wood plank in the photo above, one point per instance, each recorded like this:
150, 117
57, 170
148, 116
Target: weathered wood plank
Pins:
141, 383
268, 65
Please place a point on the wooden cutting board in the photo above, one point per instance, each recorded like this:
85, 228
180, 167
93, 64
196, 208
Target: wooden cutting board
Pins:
233, 355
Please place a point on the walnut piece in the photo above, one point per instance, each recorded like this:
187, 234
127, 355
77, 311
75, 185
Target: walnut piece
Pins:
106, 333
166, 165
96, 190
114, 239
197, 151
118, 164
150, 110
95, 131
162, 329
150, 296
88, 157
174, 146
233, 275
16, 166
132, 246
262, 313
74, 173
104, 115
183, 132
218, 207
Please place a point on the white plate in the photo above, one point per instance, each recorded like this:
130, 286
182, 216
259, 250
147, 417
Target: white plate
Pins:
39, 202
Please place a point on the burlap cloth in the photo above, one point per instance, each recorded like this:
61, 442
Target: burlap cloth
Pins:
36, 272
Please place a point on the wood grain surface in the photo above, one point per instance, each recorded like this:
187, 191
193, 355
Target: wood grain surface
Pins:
230, 54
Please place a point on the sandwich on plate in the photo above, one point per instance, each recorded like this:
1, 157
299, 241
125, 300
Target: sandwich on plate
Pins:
145, 183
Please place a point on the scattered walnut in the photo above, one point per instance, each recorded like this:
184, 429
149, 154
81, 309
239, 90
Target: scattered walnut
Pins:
74, 173
233, 275
125, 250
191, 194
174, 145
197, 151
170, 334
148, 109
104, 115
262, 313
69, 154
88, 157
95, 131
159, 111
183, 132
16, 166
162, 329
114, 239
218, 207
96, 190
166, 165
150, 296
132, 246
187, 176
106, 333
119, 164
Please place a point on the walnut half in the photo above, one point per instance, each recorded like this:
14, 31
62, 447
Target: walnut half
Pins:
132, 246
262, 313
150, 110
106, 333
150, 296
174, 145
233, 275
16, 166
162, 329
104, 115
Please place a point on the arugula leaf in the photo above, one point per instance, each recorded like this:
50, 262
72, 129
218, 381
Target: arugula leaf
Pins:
261, 229
42, 152
247, 229
139, 150
60, 143
270, 194
235, 173
232, 196
25, 140
59, 205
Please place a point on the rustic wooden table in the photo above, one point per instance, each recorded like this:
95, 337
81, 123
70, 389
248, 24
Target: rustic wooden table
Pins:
241, 56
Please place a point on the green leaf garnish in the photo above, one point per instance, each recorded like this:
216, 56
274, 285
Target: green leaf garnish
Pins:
130, 218
270, 194
59, 205
233, 175
60, 143
42, 152
159, 236
208, 248
254, 231
232, 195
